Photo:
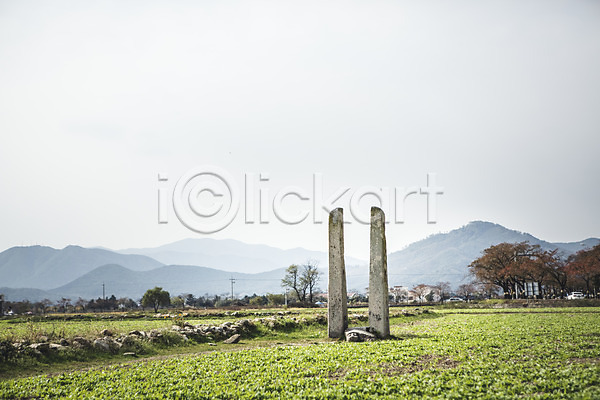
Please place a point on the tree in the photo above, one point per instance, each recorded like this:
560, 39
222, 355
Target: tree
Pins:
555, 266
585, 266
156, 298
505, 265
302, 280
63, 303
310, 278
80, 304
292, 280
275, 299
421, 290
190, 300
443, 289
466, 290
177, 302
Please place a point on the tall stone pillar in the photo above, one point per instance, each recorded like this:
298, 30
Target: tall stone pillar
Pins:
379, 312
337, 304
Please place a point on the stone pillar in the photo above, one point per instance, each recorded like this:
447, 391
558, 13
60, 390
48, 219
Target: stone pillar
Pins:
379, 312
337, 304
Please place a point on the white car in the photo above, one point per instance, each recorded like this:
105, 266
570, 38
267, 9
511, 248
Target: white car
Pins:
453, 299
575, 295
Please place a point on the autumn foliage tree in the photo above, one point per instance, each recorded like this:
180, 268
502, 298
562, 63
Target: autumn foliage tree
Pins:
584, 266
503, 265
511, 265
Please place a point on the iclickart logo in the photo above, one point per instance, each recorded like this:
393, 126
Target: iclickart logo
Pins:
207, 199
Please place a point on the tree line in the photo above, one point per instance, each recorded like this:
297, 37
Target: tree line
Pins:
512, 266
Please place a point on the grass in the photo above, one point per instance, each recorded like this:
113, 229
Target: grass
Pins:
552, 354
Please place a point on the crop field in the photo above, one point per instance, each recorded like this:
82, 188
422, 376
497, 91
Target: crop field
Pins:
547, 354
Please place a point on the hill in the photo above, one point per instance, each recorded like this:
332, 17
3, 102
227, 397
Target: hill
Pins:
445, 256
78, 272
43, 267
177, 279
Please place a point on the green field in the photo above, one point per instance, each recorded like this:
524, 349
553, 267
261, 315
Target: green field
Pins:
546, 354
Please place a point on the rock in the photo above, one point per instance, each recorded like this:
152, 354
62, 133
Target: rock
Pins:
106, 332
136, 333
57, 347
102, 345
130, 340
41, 347
175, 328
43, 338
64, 342
81, 343
233, 339
359, 335
211, 344
130, 354
155, 333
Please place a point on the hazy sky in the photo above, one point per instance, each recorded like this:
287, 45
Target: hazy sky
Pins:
501, 99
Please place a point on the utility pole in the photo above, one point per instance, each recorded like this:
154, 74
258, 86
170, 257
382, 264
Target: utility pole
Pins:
103, 295
232, 282
285, 297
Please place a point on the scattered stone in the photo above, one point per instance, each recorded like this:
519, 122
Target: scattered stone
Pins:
130, 340
57, 347
106, 332
101, 345
130, 354
41, 347
43, 338
81, 343
64, 342
211, 344
233, 339
359, 335
136, 333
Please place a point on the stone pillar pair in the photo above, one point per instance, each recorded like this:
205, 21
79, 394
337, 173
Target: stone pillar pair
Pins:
379, 322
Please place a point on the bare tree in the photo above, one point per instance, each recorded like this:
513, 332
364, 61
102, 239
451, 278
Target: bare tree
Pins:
421, 290
310, 277
466, 290
443, 289
302, 281
293, 281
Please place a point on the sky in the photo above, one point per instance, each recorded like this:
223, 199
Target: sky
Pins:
498, 101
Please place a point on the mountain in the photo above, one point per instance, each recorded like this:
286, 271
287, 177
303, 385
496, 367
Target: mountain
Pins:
43, 267
33, 295
78, 272
232, 255
445, 256
177, 279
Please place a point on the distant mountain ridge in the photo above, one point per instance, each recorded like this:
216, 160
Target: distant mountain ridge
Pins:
44, 267
177, 279
39, 272
232, 255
